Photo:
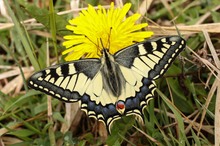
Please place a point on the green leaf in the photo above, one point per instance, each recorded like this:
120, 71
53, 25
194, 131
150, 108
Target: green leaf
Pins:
41, 107
22, 132
58, 116
92, 2
43, 16
119, 129
18, 102
215, 16
179, 97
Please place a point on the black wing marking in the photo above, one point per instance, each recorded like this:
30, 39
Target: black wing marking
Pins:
153, 57
94, 99
68, 81
83, 81
134, 105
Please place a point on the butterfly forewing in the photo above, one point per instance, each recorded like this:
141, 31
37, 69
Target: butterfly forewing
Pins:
68, 81
151, 58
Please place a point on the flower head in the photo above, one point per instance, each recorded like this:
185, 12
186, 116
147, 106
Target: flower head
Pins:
94, 30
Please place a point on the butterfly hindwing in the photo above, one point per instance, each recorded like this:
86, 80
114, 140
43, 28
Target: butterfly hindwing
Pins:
134, 104
134, 96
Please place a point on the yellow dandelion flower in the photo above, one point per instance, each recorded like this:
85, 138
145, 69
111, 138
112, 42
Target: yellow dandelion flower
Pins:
94, 30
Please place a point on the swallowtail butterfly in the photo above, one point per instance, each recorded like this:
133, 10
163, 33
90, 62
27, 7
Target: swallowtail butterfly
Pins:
114, 85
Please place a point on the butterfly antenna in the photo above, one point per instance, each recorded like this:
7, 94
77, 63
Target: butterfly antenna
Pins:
109, 35
102, 43
91, 41
97, 45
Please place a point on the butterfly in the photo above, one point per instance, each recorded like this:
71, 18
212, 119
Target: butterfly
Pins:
112, 86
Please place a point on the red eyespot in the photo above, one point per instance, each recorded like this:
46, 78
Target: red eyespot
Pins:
120, 105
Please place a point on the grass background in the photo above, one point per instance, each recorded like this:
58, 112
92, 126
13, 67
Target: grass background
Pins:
188, 95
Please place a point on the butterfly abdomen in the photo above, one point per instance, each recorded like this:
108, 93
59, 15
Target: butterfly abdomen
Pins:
112, 76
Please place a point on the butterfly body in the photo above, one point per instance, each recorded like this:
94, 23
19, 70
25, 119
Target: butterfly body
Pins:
114, 85
113, 80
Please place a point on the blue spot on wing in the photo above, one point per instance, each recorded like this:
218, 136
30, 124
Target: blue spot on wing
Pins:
109, 110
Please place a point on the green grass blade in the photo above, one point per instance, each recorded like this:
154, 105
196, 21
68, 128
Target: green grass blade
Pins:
20, 30
53, 28
182, 137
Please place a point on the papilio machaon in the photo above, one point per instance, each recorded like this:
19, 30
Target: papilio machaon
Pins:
114, 85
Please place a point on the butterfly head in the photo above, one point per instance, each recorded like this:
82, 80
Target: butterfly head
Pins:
105, 53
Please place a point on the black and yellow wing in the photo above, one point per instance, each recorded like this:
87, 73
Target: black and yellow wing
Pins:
115, 85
